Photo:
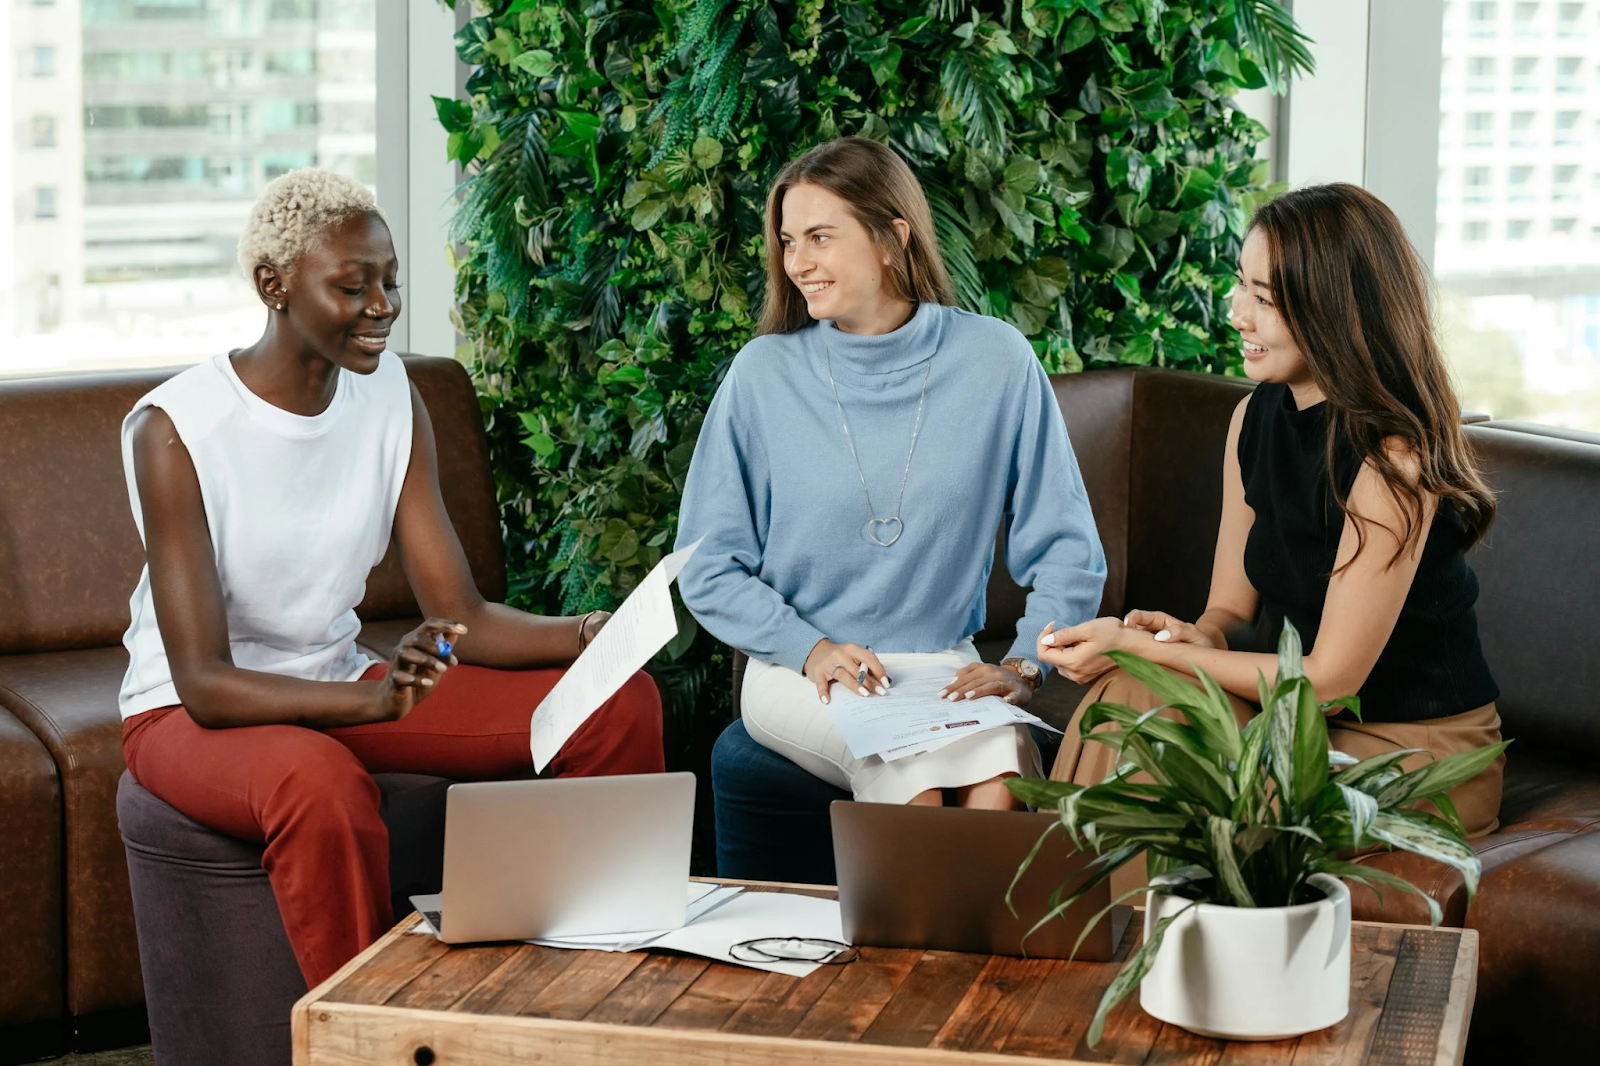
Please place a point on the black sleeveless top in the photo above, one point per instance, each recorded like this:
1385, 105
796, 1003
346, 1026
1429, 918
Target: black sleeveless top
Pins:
1433, 665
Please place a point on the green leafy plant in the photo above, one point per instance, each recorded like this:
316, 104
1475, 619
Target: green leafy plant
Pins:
1242, 817
1089, 174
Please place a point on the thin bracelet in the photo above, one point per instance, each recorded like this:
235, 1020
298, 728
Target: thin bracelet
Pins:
583, 623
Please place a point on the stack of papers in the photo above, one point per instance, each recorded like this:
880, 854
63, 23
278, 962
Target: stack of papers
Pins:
720, 916
757, 916
913, 718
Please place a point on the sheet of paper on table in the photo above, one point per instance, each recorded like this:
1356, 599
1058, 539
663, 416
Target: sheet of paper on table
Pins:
703, 898
756, 916
913, 718
719, 917
641, 627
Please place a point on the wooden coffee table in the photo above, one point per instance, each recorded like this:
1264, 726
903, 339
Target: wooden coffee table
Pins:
411, 1001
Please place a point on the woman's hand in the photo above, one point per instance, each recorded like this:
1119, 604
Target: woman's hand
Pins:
976, 680
1079, 651
1167, 629
831, 663
415, 667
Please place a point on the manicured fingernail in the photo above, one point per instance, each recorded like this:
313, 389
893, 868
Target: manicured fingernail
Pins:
862, 690
952, 697
882, 691
1048, 640
824, 699
1127, 620
971, 694
427, 681
943, 693
1164, 636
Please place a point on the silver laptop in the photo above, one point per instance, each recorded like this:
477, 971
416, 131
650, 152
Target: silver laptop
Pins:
563, 857
936, 877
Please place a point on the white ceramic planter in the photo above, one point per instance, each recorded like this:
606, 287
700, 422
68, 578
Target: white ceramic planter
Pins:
1251, 973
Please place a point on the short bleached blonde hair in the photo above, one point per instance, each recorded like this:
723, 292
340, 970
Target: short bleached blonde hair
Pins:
294, 210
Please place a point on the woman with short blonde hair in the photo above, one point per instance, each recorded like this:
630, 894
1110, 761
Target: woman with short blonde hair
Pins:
266, 484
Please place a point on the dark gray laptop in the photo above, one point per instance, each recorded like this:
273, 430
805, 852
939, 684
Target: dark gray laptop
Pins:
936, 877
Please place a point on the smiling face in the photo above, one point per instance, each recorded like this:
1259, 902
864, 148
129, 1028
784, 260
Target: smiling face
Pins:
340, 297
833, 260
1270, 352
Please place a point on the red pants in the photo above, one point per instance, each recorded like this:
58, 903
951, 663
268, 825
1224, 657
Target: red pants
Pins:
308, 794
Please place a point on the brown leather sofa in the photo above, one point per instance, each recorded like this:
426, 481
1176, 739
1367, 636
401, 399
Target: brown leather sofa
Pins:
69, 559
1150, 446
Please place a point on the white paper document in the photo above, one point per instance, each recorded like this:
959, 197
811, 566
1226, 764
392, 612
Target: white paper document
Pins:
913, 718
757, 916
641, 627
719, 917
704, 898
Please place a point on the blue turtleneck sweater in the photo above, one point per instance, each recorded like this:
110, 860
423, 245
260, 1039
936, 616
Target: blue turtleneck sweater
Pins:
773, 489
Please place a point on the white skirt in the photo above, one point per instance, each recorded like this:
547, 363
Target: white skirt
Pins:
782, 713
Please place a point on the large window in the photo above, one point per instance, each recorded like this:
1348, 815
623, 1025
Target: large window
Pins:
1517, 252
146, 129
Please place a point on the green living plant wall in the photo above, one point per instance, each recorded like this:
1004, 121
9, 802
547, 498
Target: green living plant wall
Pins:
1089, 173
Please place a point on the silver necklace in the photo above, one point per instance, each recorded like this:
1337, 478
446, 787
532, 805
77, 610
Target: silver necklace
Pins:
874, 522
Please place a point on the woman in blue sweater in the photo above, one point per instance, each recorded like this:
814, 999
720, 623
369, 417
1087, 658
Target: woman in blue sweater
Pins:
850, 477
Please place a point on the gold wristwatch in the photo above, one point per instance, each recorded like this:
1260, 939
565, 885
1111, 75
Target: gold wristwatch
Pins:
1026, 669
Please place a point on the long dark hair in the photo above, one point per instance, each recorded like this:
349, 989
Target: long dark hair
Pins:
1357, 300
879, 187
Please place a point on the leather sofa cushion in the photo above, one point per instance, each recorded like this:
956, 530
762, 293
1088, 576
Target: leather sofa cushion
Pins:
1096, 410
1179, 432
1540, 937
70, 554
465, 480
1543, 793
31, 963
1537, 611
1150, 448
1546, 802
68, 699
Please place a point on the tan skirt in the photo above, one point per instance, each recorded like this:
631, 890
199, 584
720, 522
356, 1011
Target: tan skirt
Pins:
1477, 801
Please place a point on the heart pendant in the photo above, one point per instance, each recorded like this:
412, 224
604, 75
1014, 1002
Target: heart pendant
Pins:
872, 530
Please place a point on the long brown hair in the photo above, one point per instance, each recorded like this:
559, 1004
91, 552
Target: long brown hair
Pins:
879, 187
1357, 300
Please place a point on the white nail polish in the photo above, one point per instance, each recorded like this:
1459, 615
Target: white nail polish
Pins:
951, 697
1048, 640
1164, 636
862, 690
882, 691
824, 699
971, 694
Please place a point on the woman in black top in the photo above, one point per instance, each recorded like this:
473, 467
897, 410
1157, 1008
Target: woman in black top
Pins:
1349, 500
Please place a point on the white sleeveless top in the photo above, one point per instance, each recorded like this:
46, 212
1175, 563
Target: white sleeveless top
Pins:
300, 510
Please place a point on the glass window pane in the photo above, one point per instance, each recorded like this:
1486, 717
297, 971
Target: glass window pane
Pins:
1517, 251
145, 129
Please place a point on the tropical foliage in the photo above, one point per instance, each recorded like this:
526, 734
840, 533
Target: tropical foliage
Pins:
1244, 817
1089, 174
